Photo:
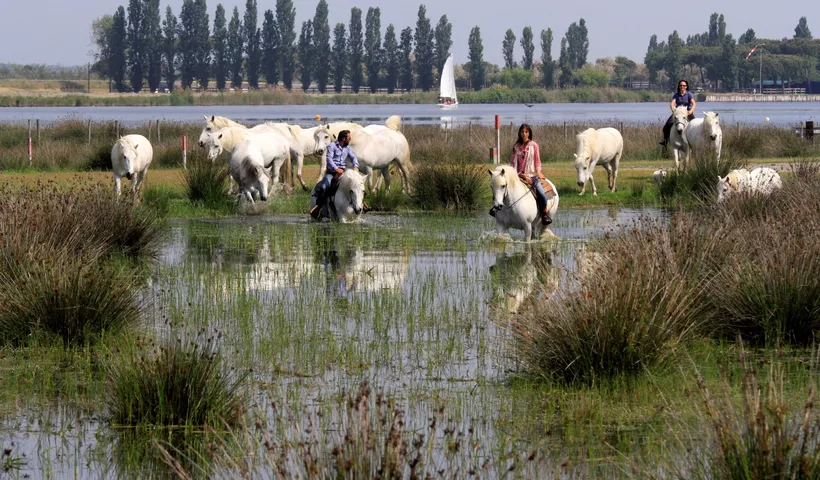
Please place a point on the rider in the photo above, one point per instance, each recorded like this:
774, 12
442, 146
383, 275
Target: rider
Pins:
682, 97
337, 154
526, 159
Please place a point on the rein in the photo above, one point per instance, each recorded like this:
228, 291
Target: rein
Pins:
527, 192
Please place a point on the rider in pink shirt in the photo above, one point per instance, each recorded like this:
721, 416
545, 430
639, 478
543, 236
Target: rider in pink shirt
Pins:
526, 159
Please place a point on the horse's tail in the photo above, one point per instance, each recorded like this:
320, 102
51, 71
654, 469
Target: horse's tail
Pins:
394, 123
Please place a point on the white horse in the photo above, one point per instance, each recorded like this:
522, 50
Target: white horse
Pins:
349, 197
515, 206
677, 136
377, 151
604, 146
761, 180
705, 133
130, 157
303, 142
270, 145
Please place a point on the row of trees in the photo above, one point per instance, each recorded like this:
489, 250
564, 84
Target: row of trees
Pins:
137, 48
715, 59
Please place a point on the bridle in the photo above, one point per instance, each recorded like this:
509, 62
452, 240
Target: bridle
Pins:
528, 191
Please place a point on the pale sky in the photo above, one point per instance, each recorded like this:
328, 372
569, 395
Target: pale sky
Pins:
58, 32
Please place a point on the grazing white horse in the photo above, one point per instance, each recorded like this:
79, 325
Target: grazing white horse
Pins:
704, 133
270, 145
515, 206
761, 180
604, 146
130, 157
349, 197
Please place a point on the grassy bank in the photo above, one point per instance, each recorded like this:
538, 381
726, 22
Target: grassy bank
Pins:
22, 98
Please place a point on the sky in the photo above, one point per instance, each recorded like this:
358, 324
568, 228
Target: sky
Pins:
57, 32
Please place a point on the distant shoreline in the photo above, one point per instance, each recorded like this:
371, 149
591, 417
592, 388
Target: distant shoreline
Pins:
495, 95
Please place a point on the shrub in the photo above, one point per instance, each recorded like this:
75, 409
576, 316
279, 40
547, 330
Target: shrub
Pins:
77, 298
207, 182
699, 180
181, 384
457, 186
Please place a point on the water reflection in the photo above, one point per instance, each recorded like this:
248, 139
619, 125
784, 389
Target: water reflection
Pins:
515, 277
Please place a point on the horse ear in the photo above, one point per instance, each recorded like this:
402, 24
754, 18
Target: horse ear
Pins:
220, 136
503, 172
491, 172
717, 114
136, 145
575, 155
213, 118
205, 117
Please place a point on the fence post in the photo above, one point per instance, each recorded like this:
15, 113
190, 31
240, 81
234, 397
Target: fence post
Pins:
159, 137
38, 131
29, 142
150, 123
565, 130
117, 129
810, 130
738, 128
185, 152
89, 131
497, 156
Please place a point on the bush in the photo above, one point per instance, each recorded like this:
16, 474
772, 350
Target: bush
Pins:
77, 298
699, 180
456, 186
181, 384
207, 182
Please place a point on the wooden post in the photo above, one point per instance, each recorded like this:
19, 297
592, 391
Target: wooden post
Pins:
150, 123
810, 130
184, 152
621, 127
497, 155
565, 130
117, 129
738, 128
159, 137
38, 131
89, 131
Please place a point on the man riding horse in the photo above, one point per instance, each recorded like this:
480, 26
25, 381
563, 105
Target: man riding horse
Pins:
336, 159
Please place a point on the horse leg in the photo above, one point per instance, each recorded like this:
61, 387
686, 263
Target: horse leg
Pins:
615, 165
527, 232
608, 169
594, 188
300, 161
385, 174
117, 182
677, 159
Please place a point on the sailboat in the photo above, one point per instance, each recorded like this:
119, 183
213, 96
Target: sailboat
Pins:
447, 99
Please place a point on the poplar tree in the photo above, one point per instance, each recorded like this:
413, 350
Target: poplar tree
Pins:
321, 45
306, 54
270, 49
250, 39
220, 48
339, 57
444, 41
424, 49
354, 49
152, 35
547, 63
136, 45
117, 48
286, 20
169, 48
373, 47
235, 49
391, 58
405, 64
476, 59
508, 49
529, 48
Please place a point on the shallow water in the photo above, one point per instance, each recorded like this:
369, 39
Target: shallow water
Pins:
418, 305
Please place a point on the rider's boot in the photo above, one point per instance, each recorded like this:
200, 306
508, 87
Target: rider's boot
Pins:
365, 207
316, 211
546, 218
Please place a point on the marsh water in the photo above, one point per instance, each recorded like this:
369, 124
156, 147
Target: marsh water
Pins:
782, 114
418, 305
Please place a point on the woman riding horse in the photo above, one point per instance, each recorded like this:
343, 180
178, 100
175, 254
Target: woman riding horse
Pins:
526, 159
682, 98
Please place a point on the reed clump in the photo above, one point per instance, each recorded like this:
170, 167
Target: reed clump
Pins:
451, 186
765, 438
176, 384
206, 182
62, 270
699, 180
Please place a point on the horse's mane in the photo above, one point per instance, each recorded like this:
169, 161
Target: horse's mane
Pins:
508, 173
733, 177
586, 143
222, 122
125, 143
394, 123
348, 178
682, 110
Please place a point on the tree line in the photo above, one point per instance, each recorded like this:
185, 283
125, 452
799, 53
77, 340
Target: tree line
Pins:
136, 48
716, 60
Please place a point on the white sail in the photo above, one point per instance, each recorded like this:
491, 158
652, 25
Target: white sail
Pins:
448, 83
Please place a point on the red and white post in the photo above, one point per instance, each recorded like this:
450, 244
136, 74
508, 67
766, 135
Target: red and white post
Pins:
497, 157
29, 142
185, 152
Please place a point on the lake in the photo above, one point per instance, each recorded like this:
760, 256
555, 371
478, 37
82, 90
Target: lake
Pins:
780, 114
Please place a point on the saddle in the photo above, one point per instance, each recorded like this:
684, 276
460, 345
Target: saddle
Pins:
544, 183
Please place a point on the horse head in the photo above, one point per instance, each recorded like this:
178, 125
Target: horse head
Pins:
731, 183
681, 119
498, 184
253, 178
711, 125
210, 127
213, 144
321, 139
583, 157
129, 157
352, 183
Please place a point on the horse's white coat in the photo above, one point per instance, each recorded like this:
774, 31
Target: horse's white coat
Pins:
349, 197
130, 157
705, 133
515, 205
604, 146
659, 176
761, 180
250, 150
677, 137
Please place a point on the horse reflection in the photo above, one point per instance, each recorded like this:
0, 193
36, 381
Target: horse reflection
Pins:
522, 277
